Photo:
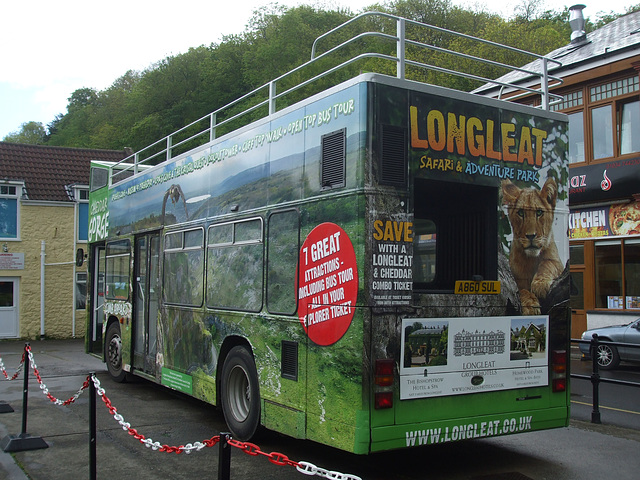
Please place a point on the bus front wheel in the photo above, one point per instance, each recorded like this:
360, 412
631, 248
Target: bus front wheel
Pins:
240, 394
113, 353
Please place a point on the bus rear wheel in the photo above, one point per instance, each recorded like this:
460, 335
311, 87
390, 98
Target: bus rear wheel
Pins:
240, 394
113, 353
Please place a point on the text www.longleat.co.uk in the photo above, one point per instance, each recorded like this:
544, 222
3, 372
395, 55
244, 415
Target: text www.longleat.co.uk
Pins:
471, 430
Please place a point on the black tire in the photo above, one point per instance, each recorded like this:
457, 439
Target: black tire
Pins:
607, 357
113, 353
240, 394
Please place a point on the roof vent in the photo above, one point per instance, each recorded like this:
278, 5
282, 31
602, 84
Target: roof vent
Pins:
576, 20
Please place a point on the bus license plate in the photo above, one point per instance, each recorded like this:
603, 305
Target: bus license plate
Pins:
484, 287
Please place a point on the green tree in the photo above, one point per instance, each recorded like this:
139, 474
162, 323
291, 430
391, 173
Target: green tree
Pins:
32, 133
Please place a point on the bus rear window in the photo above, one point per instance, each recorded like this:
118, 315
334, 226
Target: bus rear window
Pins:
455, 234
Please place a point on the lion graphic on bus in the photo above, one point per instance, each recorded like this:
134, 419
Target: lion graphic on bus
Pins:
533, 258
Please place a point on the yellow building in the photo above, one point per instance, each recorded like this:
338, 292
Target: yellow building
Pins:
43, 222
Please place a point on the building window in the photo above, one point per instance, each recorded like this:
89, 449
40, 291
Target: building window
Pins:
614, 89
617, 268
80, 194
601, 132
9, 211
576, 137
629, 117
569, 100
602, 119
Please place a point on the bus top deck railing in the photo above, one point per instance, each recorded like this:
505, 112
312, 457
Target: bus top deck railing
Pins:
264, 98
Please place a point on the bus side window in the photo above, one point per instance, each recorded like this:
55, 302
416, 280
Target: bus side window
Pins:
235, 262
282, 258
118, 258
184, 267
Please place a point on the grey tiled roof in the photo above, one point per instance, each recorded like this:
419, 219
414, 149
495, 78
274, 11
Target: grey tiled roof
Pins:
619, 37
46, 171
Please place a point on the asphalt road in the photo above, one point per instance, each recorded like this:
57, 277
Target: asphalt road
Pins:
581, 451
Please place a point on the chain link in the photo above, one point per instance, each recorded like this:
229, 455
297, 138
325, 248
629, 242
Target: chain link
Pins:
15, 375
44, 388
252, 449
310, 469
147, 442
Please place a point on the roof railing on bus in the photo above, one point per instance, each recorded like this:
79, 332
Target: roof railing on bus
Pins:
164, 149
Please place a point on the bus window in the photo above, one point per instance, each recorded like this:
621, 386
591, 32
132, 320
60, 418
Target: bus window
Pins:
184, 267
282, 256
117, 266
465, 219
235, 265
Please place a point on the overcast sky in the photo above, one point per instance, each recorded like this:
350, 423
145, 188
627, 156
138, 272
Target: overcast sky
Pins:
50, 49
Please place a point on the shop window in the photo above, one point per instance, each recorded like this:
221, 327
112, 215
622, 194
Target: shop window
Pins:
617, 272
577, 293
632, 273
576, 254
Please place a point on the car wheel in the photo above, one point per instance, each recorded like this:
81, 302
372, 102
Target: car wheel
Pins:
113, 353
607, 356
240, 394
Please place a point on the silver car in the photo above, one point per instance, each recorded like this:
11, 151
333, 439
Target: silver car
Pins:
609, 356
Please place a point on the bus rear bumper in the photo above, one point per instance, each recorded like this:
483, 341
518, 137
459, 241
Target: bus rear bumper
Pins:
430, 433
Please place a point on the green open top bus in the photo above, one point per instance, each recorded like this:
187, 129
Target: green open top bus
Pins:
379, 264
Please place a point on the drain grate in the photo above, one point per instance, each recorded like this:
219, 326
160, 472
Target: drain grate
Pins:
503, 476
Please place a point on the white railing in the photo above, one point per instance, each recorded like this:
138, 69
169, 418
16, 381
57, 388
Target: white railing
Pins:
205, 128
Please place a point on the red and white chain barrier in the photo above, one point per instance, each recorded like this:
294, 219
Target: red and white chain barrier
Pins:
15, 375
252, 449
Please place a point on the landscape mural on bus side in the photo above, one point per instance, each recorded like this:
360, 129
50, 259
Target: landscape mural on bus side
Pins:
277, 162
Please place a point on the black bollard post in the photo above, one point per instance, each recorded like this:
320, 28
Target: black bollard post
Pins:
595, 380
224, 460
24, 441
92, 428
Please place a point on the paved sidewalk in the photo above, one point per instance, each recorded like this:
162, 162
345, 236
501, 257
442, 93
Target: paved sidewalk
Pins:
580, 452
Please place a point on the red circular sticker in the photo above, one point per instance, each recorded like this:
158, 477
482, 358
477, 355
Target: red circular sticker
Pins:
328, 284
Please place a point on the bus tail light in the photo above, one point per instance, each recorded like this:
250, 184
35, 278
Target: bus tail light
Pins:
383, 400
383, 380
384, 372
559, 370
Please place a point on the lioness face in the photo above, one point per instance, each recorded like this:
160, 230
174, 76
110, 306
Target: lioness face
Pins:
531, 215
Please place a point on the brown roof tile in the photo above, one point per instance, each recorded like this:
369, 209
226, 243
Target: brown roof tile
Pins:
47, 170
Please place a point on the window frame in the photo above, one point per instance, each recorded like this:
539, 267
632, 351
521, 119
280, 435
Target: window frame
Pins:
184, 248
597, 94
6, 193
623, 298
210, 297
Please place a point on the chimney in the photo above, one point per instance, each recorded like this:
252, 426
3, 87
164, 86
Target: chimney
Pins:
576, 20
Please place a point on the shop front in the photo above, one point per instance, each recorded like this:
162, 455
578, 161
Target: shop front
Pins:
604, 232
